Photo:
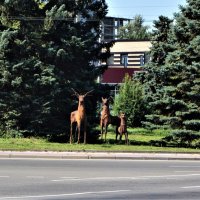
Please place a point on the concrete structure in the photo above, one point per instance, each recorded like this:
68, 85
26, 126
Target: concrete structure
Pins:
100, 155
110, 27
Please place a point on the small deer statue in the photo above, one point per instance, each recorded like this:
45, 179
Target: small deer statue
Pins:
122, 128
79, 116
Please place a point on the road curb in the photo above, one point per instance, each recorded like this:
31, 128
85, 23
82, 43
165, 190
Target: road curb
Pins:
99, 155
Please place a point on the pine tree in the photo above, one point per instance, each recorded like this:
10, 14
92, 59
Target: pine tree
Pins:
154, 79
26, 82
176, 76
72, 31
186, 69
47, 48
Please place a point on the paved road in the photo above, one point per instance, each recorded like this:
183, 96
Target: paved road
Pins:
99, 179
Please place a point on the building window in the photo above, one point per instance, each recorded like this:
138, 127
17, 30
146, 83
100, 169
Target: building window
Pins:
142, 60
124, 59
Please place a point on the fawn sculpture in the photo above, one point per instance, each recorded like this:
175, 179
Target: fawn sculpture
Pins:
122, 128
79, 116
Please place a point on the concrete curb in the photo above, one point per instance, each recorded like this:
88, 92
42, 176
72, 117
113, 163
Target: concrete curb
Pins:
99, 155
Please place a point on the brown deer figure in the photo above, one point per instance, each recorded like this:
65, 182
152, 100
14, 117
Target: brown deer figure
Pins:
79, 116
105, 116
122, 128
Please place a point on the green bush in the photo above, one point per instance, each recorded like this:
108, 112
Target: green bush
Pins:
182, 138
130, 100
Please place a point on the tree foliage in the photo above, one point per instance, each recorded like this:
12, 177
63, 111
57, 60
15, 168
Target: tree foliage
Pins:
47, 48
173, 77
130, 100
135, 30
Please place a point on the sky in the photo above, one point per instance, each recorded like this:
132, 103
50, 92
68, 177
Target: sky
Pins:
149, 9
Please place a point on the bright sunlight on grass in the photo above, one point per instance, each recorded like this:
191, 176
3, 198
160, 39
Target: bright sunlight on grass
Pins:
139, 139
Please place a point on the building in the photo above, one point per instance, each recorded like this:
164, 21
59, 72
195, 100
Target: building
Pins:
110, 27
127, 57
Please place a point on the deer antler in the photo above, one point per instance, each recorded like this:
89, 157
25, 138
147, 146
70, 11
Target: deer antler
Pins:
75, 93
88, 93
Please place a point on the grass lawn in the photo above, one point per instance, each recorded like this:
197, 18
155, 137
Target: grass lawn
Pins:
139, 139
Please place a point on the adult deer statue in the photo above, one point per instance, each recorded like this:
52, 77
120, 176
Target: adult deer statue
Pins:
79, 116
107, 118
122, 128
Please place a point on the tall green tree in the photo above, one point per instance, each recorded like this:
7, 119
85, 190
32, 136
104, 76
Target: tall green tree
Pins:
135, 30
178, 73
47, 48
154, 72
25, 91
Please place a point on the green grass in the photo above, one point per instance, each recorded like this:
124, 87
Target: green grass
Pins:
139, 139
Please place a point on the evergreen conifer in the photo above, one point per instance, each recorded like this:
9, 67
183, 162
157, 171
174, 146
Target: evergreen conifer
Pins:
173, 75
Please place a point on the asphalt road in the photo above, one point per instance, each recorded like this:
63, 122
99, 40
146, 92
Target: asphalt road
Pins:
99, 179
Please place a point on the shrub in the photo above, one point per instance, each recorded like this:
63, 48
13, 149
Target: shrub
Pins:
130, 100
182, 138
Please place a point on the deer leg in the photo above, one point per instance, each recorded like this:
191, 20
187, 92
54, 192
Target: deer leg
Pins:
101, 132
75, 133
101, 124
126, 136
79, 132
116, 132
120, 138
85, 127
71, 134
106, 129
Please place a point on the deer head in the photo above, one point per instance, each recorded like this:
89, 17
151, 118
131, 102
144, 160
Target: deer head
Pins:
122, 115
87, 93
81, 97
105, 101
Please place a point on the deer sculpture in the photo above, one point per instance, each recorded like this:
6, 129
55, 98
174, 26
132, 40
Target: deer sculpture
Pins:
107, 118
122, 128
79, 116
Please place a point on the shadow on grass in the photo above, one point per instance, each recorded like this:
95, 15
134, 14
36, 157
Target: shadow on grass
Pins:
110, 142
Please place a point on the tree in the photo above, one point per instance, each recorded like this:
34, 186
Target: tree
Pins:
130, 100
154, 73
134, 30
178, 74
161, 41
26, 82
47, 48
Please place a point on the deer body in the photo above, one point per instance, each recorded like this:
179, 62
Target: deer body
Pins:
105, 117
79, 117
122, 128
